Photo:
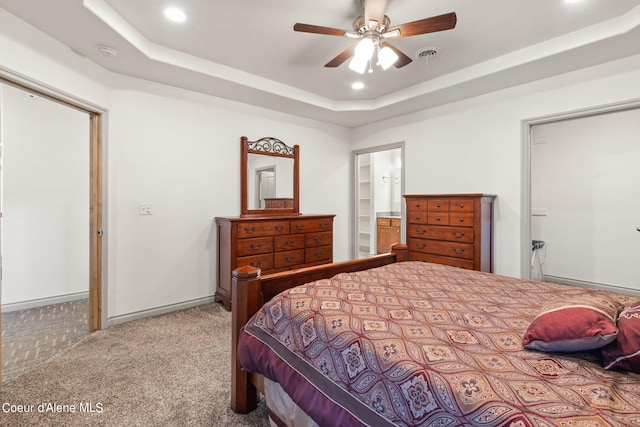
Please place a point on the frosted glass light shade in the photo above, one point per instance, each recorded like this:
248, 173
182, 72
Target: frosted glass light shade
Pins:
364, 48
358, 64
387, 57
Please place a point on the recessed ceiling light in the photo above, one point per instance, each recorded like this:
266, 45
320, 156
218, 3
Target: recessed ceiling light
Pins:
175, 14
357, 86
572, 1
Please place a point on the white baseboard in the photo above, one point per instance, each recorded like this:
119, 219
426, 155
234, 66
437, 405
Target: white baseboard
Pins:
116, 320
591, 285
23, 305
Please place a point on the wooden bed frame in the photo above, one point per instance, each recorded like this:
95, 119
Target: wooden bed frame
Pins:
250, 291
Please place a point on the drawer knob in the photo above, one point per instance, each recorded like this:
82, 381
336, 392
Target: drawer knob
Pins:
256, 247
461, 205
290, 259
255, 264
437, 218
249, 230
279, 228
420, 231
437, 205
461, 219
299, 226
324, 225
457, 251
457, 235
421, 245
318, 255
318, 239
290, 242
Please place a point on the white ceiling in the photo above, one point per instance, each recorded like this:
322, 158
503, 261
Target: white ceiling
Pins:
246, 50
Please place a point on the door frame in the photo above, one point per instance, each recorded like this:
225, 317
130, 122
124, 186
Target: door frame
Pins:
355, 190
526, 251
96, 132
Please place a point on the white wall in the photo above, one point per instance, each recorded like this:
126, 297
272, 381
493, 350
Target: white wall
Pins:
475, 145
585, 180
179, 151
45, 198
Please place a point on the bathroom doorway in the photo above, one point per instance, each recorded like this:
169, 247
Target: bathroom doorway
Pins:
379, 208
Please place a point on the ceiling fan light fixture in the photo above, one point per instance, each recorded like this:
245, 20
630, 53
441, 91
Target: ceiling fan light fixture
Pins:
387, 57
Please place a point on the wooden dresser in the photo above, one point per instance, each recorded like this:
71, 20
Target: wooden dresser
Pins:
272, 243
451, 229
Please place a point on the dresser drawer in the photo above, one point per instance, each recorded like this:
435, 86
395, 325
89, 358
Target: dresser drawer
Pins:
311, 225
437, 247
438, 205
255, 246
461, 205
263, 262
417, 205
416, 217
438, 218
322, 238
451, 234
288, 242
453, 262
461, 219
288, 258
320, 253
262, 228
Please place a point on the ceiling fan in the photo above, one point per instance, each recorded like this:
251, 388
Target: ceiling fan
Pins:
373, 30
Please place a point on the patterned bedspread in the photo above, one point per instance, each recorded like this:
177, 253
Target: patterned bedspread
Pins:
419, 344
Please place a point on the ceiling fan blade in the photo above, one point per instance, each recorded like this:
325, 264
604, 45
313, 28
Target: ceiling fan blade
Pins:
317, 29
343, 56
374, 11
402, 58
427, 25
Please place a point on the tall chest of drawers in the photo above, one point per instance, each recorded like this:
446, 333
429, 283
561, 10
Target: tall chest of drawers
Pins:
451, 229
272, 243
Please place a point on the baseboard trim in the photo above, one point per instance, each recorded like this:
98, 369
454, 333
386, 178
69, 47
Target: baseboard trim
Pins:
124, 318
591, 285
23, 305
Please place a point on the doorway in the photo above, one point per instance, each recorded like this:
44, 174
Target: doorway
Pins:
378, 189
580, 197
44, 187
266, 185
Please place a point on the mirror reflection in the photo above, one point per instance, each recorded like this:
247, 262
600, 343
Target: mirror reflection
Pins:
270, 182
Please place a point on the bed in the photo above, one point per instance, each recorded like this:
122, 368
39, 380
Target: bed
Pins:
386, 341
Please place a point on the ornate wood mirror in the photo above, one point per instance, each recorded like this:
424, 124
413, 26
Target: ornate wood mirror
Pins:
269, 177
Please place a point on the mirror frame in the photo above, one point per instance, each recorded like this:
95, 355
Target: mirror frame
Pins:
268, 146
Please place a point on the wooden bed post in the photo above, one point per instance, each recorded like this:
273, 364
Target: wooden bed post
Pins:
245, 291
401, 252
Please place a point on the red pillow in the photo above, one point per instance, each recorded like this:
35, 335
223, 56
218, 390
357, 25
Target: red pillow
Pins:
581, 324
624, 353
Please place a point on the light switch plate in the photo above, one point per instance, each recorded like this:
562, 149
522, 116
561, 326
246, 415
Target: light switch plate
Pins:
146, 209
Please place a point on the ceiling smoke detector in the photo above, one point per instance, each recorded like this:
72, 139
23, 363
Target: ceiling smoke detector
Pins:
427, 52
107, 51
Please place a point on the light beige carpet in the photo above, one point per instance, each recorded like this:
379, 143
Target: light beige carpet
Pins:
170, 370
